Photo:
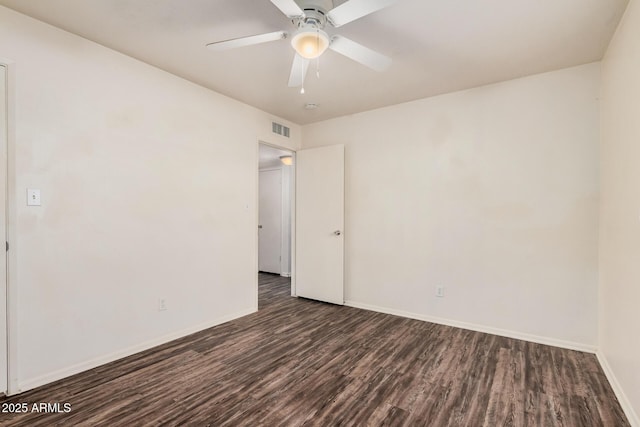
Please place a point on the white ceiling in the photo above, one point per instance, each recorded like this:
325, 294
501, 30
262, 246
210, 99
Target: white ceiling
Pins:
437, 46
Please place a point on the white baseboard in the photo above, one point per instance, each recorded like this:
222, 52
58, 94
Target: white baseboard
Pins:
32, 383
479, 328
285, 274
632, 416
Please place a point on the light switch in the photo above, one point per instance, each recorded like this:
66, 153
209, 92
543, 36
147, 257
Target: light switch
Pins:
33, 197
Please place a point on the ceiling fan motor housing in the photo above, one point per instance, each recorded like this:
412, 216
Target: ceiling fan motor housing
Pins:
313, 18
322, 5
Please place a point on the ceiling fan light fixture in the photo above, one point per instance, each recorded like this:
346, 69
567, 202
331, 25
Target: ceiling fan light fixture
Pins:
310, 43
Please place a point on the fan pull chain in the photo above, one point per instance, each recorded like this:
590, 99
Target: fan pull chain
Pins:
302, 71
318, 49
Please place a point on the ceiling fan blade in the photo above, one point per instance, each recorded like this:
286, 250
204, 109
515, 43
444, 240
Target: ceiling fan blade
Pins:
298, 71
289, 8
354, 9
362, 54
247, 41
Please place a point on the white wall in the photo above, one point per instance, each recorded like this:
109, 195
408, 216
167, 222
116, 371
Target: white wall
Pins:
620, 212
149, 191
491, 192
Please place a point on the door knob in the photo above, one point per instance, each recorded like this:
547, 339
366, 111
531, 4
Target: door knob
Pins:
337, 232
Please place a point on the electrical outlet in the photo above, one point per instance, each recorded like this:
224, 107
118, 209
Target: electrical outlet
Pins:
162, 304
440, 291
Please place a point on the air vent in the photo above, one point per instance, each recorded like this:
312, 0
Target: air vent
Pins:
280, 129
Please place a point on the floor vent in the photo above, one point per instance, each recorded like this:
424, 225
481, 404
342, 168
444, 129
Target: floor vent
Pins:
280, 129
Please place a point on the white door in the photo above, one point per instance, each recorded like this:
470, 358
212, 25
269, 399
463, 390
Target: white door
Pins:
270, 221
320, 224
3, 229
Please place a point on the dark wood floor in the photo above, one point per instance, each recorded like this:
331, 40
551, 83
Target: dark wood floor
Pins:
299, 362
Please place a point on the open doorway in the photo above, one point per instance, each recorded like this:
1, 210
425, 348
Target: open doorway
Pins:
275, 214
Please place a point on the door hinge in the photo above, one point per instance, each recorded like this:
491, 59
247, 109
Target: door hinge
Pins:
7, 245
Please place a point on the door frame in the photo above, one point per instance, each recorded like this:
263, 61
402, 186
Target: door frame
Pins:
10, 216
292, 196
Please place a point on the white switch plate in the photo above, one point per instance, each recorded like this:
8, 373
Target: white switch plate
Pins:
440, 291
33, 197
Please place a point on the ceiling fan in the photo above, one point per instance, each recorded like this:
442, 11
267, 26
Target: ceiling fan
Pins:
309, 40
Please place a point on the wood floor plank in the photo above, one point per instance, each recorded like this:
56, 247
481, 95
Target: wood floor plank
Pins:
506, 406
298, 362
